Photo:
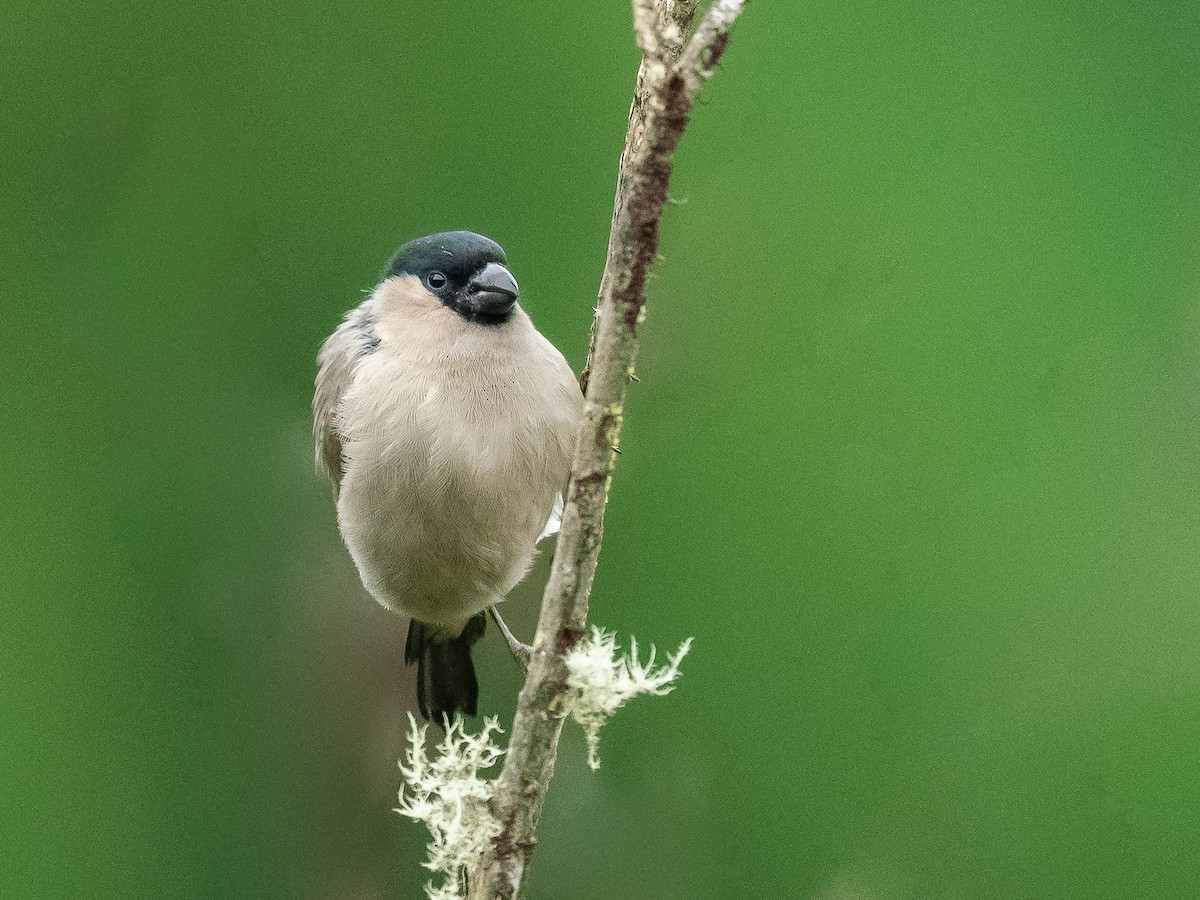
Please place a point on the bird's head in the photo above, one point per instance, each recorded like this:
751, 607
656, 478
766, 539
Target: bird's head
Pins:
464, 270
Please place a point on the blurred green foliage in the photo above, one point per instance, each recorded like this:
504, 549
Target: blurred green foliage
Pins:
913, 456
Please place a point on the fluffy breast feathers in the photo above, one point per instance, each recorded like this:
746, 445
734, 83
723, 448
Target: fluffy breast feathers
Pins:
450, 441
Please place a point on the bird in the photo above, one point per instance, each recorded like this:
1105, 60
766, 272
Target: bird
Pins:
447, 422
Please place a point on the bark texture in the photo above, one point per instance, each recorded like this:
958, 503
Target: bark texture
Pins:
678, 55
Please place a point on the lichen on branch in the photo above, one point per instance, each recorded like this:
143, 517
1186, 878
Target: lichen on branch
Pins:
445, 791
601, 681
677, 59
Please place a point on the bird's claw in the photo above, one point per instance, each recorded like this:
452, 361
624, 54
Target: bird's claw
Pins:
522, 652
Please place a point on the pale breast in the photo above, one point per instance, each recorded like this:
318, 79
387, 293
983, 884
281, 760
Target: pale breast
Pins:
457, 439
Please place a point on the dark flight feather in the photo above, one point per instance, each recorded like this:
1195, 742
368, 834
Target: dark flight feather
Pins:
446, 681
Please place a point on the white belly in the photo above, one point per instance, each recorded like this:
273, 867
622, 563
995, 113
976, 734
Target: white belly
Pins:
450, 478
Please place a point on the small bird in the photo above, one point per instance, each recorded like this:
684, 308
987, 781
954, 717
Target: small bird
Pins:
447, 422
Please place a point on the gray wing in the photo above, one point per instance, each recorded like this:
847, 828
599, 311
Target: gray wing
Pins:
337, 360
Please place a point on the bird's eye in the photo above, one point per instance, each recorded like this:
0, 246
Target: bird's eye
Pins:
436, 280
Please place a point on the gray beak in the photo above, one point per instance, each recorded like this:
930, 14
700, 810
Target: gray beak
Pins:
493, 291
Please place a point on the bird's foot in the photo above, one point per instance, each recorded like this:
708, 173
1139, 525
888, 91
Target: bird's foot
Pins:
522, 652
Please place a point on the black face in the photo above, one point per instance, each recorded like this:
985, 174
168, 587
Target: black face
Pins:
464, 270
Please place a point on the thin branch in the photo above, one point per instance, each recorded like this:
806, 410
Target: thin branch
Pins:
672, 18
673, 68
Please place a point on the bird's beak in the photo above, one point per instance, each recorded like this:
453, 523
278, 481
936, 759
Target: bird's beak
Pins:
493, 291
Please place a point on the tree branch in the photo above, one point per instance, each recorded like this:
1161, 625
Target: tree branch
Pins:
673, 68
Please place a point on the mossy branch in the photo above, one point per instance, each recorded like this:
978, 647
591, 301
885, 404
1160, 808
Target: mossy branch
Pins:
677, 58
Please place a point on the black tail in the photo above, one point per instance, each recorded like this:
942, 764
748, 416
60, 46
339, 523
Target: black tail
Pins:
445, 675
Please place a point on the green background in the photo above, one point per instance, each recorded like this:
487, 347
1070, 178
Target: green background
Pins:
914, 455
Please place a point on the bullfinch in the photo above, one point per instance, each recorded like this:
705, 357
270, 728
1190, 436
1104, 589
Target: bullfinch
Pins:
447, 422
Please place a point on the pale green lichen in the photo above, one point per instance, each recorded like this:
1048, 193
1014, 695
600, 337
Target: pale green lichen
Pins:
447, 794
599, 682
444, 790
